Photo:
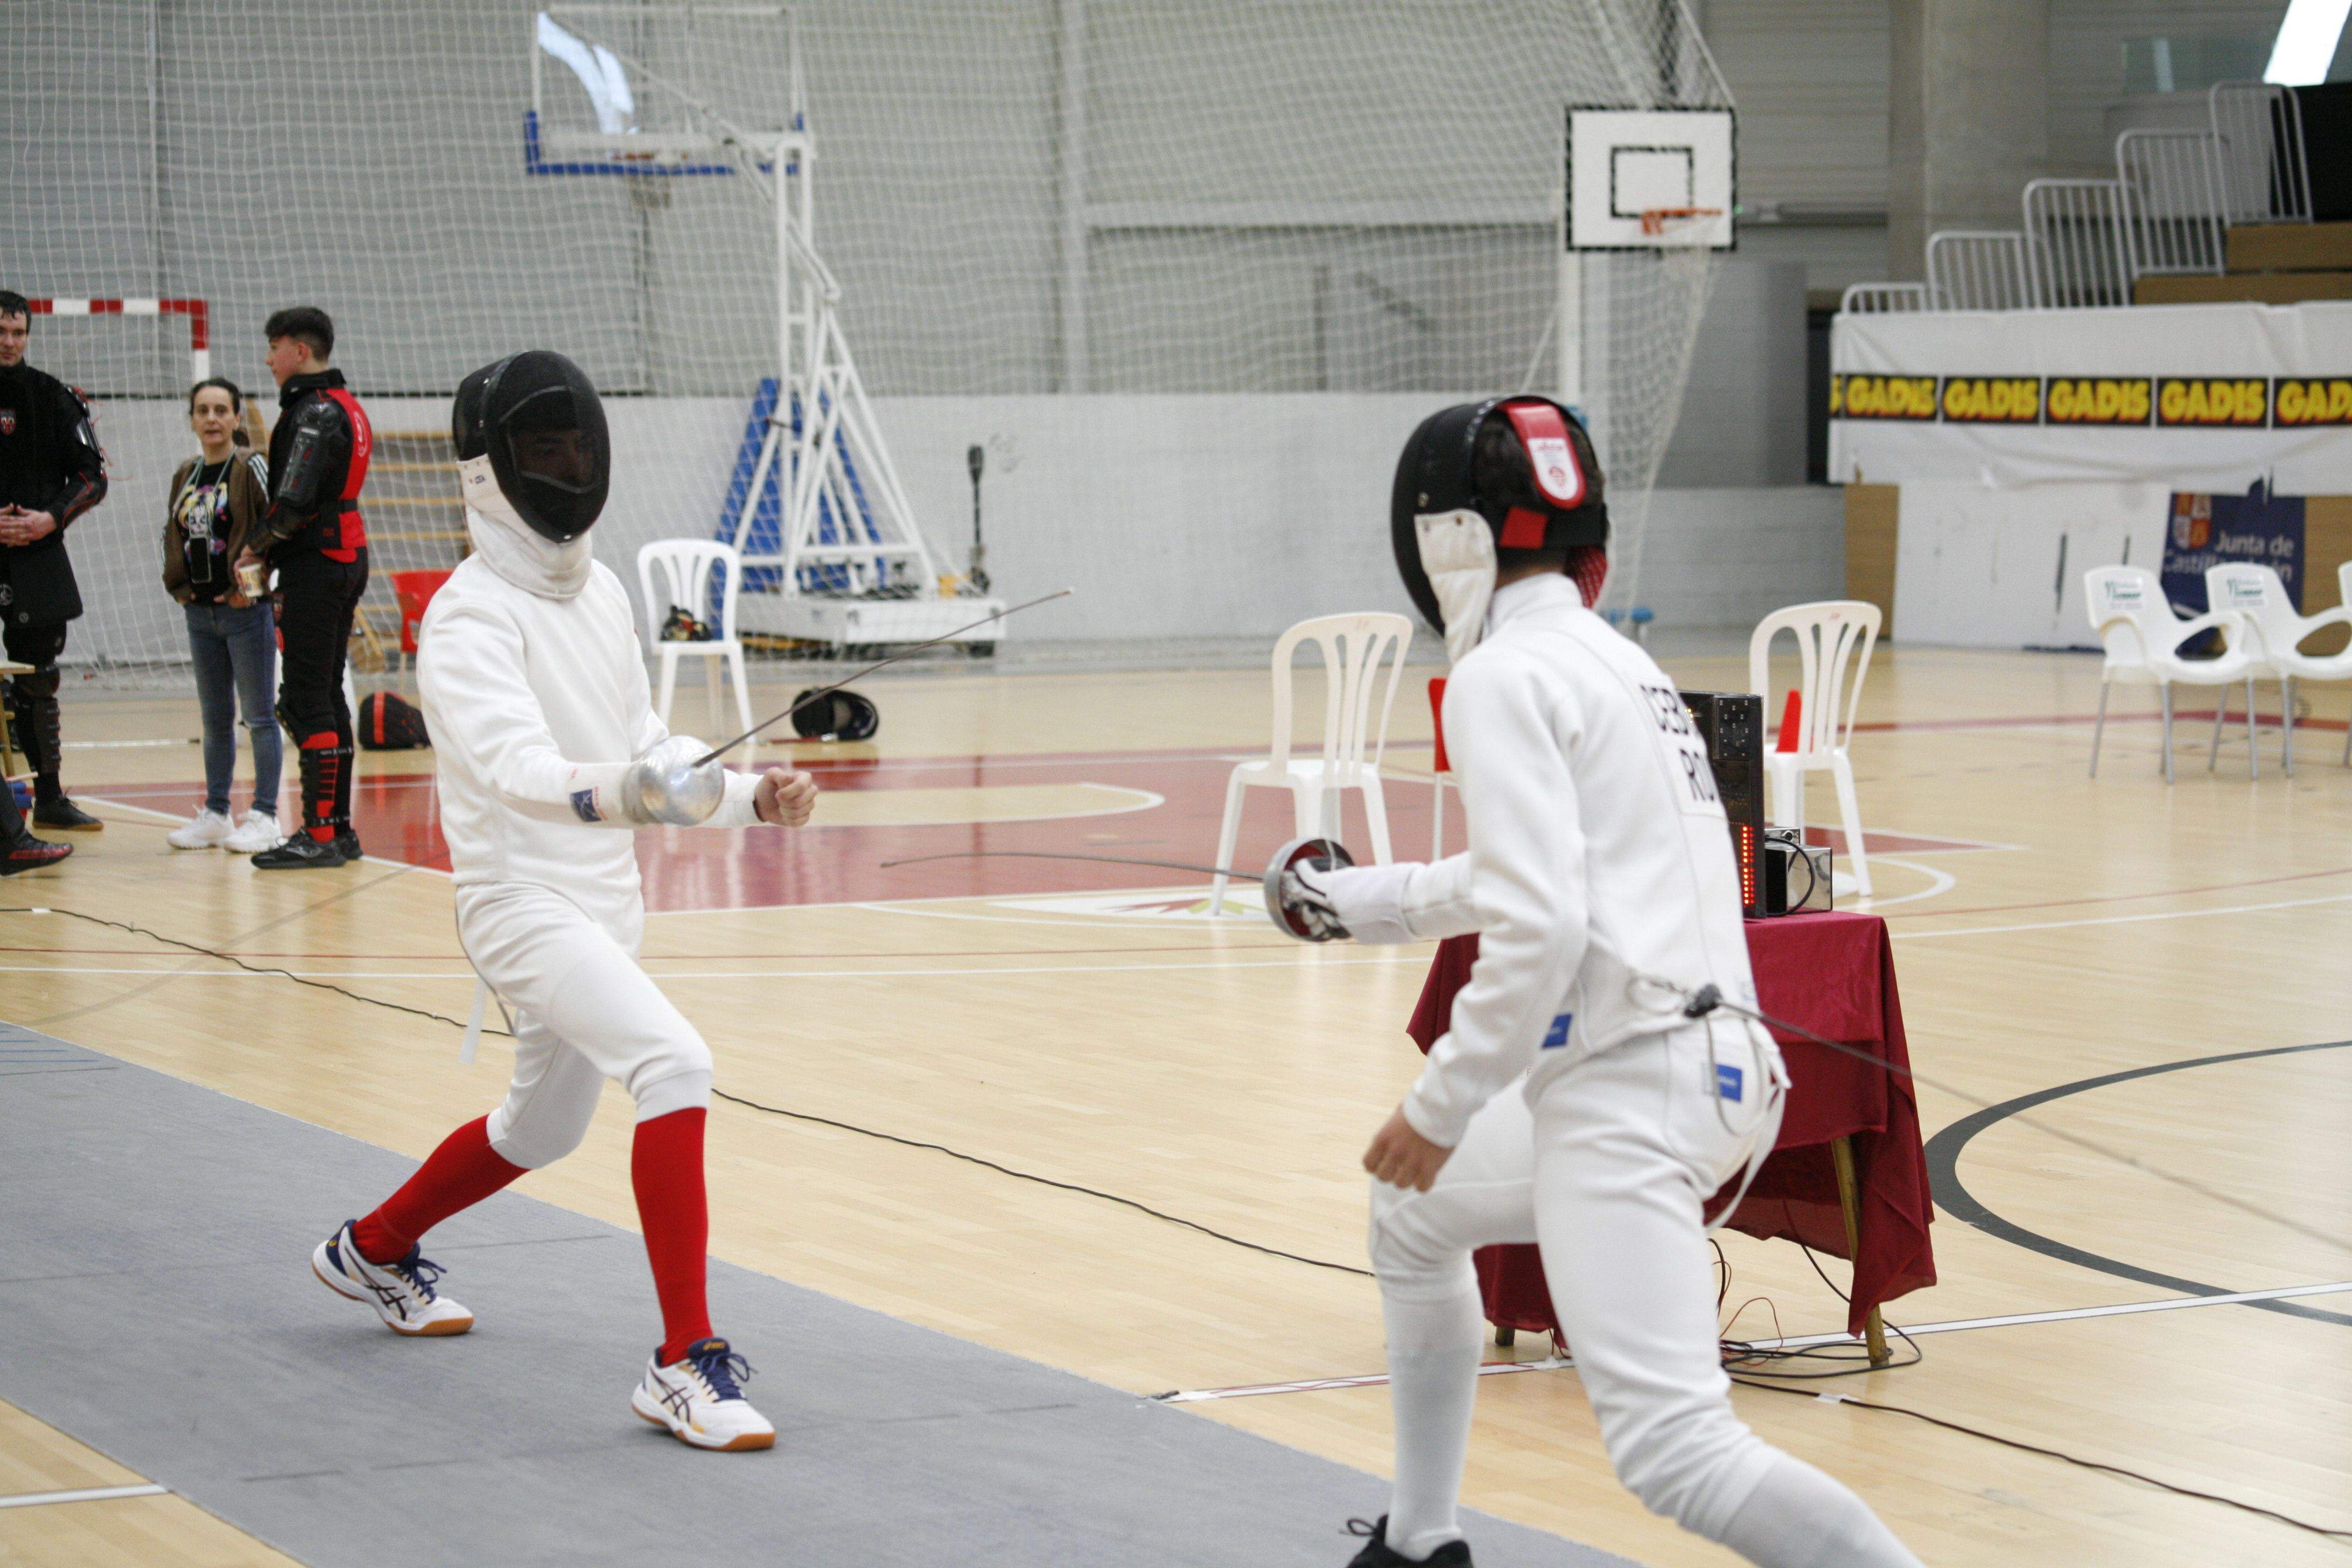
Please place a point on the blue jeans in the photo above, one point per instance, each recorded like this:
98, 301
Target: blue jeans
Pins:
236, 654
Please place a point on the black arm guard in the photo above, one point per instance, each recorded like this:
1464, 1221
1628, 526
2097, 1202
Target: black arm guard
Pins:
81, 457
316, 462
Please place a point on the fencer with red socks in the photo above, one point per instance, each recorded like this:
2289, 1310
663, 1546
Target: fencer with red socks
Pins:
547, 754
1572, 1101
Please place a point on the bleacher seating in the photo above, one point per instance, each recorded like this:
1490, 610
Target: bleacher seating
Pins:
2218, 213
2270, 263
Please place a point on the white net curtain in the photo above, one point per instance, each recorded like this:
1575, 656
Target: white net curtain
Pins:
1018, 196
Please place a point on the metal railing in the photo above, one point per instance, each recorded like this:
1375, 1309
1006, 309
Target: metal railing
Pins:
2171, 183
1883, 298
2075, 255
2168, 212
2264, 176
1979, 269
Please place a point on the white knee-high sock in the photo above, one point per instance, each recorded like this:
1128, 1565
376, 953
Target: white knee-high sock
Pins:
1798, 1518
1433, 1351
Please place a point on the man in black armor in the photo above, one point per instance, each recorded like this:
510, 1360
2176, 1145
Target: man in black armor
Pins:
51, 472
313, 534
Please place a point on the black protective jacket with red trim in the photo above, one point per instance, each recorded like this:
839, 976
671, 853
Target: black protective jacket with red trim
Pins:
49, 461
317, 462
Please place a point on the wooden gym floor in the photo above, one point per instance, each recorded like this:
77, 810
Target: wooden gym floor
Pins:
1088, 1024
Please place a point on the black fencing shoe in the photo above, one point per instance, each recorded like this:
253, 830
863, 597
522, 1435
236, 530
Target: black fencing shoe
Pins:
300, 853
61, 813
347, 845
1376, 1552
26, 853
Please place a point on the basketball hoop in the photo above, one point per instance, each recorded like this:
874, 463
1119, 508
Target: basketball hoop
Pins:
643, 172
1656, 220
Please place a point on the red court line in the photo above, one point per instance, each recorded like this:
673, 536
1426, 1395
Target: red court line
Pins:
398, 818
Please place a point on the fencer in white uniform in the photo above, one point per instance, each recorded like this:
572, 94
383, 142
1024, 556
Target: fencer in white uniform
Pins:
548, 754
1572, 1101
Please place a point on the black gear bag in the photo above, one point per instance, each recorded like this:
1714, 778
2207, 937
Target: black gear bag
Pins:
389, 723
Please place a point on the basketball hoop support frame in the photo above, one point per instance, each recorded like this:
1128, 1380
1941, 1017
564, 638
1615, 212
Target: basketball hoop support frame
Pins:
842, 516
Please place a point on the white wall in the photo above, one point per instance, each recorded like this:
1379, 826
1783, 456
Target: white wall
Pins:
1978, 567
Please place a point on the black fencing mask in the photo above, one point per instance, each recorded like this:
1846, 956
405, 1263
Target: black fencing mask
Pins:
1478, 482
835, 716
541, 424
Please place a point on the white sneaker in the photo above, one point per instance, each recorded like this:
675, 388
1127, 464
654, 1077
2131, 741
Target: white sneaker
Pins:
401, 1293
207, 829
258, 831
700, 1399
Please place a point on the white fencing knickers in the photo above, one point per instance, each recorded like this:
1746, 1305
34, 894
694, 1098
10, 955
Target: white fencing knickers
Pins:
582, 1012
1610, 1169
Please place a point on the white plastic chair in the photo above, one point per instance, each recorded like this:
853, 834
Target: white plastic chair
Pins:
1832, 637
1354, 649
685, 565
2272, 632
2142, 637
2344, 602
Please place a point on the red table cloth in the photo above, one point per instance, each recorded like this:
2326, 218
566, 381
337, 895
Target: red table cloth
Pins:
1835, 974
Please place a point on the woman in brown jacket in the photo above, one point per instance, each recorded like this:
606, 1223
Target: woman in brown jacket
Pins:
216, 499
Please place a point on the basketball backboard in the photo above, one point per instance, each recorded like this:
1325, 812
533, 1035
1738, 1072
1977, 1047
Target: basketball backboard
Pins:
658, 90
1651, 179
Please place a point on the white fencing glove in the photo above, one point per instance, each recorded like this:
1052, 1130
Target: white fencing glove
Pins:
1367, 902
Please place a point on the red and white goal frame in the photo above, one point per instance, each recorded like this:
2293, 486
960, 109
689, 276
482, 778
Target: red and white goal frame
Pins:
200, 346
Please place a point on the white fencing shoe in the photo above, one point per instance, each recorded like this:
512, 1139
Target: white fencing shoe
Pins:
258, 831
700, 1399
206, 830
401, 1293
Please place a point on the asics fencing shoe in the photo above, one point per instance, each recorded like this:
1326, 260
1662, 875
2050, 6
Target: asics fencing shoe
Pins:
206, 830
59, 812
700, 1397
1379, 1553
301, 852
347, 845
401, 1293
26, 853
258, 831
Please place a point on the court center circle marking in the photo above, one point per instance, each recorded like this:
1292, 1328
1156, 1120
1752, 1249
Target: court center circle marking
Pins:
1952, 1195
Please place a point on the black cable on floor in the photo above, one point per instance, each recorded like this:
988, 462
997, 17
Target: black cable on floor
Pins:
734, 1098
1044, 1182
1750, 1355
2055, 1454
248, 968
1750, 1382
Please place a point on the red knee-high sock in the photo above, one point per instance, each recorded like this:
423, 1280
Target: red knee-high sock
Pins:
666, 1166
460, 1173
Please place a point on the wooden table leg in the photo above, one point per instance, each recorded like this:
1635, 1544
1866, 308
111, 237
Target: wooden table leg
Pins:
1850, 1205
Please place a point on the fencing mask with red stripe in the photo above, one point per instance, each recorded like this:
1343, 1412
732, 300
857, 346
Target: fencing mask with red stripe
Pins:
1485, 484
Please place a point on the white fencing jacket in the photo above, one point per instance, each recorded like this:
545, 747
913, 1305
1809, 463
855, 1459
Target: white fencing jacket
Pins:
1599, 853
535, 693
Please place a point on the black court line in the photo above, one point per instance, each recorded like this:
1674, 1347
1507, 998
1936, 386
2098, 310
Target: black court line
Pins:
1953, 1196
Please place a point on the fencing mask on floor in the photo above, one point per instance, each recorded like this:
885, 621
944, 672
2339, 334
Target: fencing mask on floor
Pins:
842, 715
537, 420
1492, 483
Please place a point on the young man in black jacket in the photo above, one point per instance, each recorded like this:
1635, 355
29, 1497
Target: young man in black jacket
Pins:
51, 472
313, 534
